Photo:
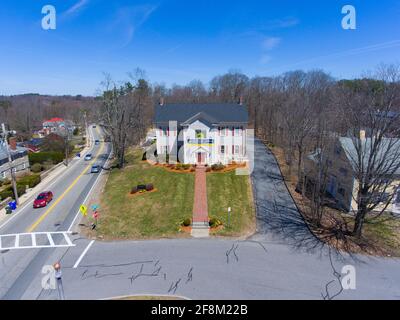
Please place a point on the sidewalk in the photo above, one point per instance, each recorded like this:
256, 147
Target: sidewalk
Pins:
200, 226
49, 176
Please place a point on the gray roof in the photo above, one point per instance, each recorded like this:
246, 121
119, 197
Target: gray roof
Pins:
389, 150
4, 154
215, 113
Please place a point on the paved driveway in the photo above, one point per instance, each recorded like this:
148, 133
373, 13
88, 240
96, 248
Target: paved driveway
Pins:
277, 216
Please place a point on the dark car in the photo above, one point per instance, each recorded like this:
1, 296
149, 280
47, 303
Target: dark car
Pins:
97, 142
94, 127
43, 199
95, 169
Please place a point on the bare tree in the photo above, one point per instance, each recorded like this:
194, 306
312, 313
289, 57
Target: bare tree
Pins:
368, 106
123, 113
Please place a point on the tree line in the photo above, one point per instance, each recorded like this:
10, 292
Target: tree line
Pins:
301, 112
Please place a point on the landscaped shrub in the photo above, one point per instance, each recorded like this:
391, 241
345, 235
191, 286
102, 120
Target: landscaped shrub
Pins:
36, 167
186, 166
21, 189
187, 222
6, 193
215, 222
30, 180
217, 167
149, 187
134, 190
42, 157
208, 169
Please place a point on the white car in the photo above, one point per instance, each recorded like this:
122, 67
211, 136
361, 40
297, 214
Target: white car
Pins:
88, 157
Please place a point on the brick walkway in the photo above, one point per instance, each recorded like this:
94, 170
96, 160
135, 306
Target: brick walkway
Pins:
200, 208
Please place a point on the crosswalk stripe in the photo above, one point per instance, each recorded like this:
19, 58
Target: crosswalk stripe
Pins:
50, 239
34, 243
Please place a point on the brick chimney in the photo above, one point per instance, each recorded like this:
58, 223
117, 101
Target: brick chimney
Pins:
241, 100
13, 143
362, 134
161, 101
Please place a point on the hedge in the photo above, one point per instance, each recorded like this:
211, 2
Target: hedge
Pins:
31, 180
10, 193
36, 168
6, 193
42, 157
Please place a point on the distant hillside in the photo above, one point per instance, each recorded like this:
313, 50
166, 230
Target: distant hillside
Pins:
25, 113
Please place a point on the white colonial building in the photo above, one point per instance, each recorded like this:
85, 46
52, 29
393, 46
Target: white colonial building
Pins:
201, 133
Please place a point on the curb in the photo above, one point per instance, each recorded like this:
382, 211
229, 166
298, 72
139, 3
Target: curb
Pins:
51, 175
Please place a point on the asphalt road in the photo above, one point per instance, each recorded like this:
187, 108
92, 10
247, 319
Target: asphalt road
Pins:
69, 189
281, 261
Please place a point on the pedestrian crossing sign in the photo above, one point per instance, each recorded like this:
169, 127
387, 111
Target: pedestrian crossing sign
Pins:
83, 210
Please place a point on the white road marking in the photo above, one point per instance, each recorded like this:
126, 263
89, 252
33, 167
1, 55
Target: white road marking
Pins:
34, 245
33, 236
90, 191
48, 187
51, 241
67, 239
82, 255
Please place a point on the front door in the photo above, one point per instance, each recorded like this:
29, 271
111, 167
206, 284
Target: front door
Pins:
200, 157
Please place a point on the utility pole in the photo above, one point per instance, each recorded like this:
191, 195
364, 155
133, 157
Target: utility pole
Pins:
13, 179
86, 129
66, 140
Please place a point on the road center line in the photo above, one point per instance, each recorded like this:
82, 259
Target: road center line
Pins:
83, 254
44, 215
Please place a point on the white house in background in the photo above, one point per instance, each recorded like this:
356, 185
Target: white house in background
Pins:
19, 156
202, 133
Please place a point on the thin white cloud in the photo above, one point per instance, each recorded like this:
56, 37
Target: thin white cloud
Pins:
286, 22
344, 54
265, 58
76, 7
267, 45
129, 19
270, 43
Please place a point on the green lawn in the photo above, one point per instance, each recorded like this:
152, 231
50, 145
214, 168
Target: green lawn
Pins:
230, 190
384, 232
159, 213
154, 214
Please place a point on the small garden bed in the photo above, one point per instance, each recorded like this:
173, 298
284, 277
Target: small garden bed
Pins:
142, 189
189, 168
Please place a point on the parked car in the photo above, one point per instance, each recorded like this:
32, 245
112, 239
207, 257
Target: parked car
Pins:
95, 169
43, 199
96, 142
88, 157
94, 126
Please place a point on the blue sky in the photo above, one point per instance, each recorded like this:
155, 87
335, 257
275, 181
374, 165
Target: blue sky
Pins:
176, 41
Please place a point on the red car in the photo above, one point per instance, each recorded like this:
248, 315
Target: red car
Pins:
43, 199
